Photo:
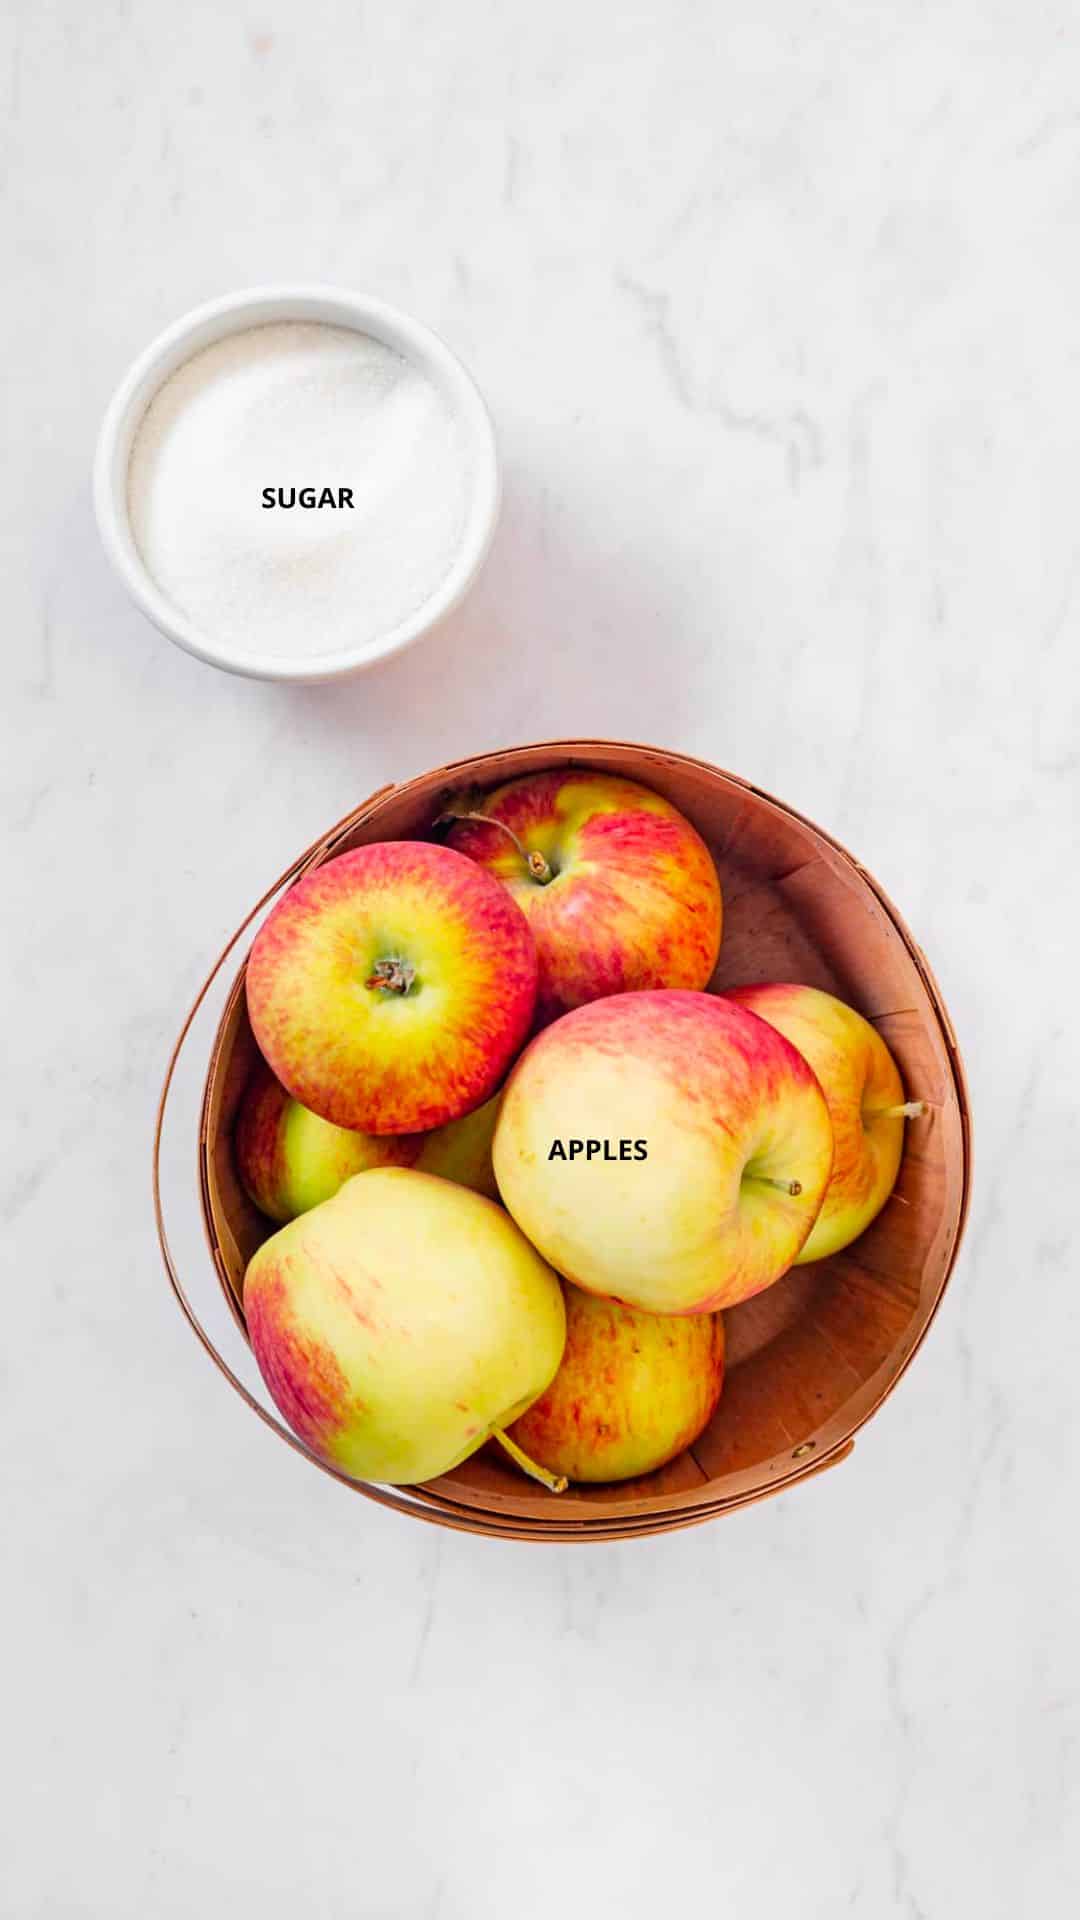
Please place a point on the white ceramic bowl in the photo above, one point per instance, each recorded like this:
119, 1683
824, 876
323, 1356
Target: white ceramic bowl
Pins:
255, 307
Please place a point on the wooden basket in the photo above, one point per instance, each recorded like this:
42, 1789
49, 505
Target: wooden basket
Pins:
812, 1358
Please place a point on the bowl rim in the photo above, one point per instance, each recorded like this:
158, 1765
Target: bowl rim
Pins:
437, 1496
234, 312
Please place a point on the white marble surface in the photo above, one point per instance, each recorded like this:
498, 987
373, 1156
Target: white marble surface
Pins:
776, 307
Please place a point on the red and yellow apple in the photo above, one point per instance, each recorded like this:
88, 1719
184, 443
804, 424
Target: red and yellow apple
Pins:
620, 891
633, 1389
289, 1160
401, 1324
866, 1101
669, 1150
391, 987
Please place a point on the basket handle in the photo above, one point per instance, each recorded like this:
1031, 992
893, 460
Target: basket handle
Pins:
395, 1498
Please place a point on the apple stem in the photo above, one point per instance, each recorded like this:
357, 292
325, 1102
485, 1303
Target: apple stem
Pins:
556, 1482
535, 862
909, 1110
793, 1187
392, 976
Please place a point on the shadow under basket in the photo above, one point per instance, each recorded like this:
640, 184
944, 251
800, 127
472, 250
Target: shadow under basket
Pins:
810, 1359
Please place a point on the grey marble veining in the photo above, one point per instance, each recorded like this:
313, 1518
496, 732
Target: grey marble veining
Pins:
776, 311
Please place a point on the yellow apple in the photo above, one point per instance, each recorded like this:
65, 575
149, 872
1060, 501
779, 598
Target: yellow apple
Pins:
401, 1324
865, 1095
668, 1149
632, 1391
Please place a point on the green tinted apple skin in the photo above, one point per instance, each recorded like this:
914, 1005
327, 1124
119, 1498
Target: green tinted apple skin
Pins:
289, 1160
461, 1150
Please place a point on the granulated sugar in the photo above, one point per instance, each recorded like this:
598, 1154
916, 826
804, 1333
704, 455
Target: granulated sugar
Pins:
358, 439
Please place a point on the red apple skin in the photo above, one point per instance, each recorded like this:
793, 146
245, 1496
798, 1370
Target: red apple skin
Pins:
634, 902
861, 1082
632, 1391
363, 1053
289, 1160
738, 1150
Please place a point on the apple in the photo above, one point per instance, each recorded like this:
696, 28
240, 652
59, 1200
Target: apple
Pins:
391, 987
865, 1095
667, 1149
632, 1391
620, 891
461, 1150
289, 1160
401, 1324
